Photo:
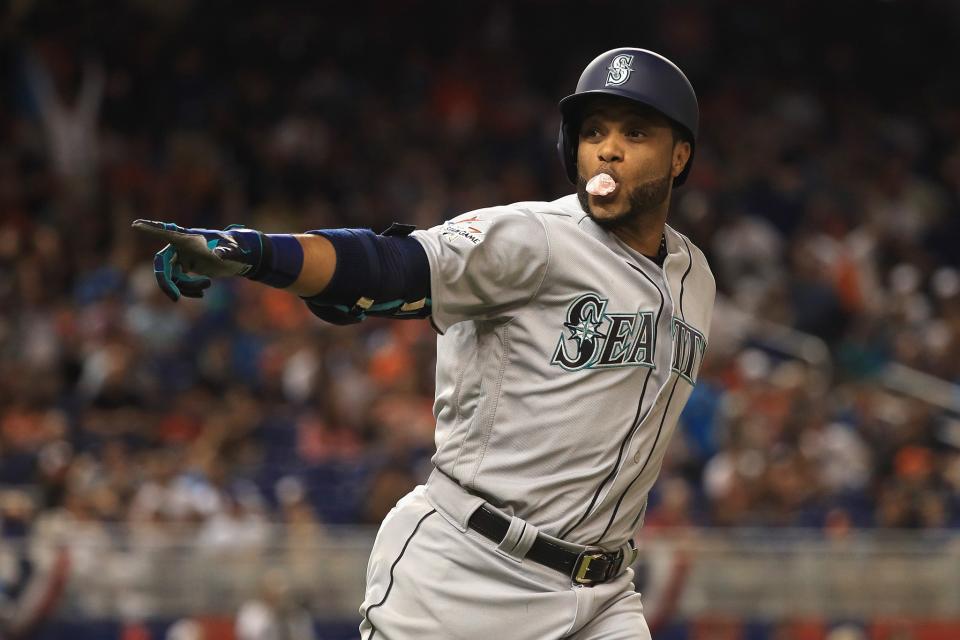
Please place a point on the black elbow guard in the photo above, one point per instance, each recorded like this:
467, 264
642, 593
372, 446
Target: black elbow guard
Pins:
384, 275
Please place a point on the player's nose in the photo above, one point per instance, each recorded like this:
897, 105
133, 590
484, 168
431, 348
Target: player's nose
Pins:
610, 149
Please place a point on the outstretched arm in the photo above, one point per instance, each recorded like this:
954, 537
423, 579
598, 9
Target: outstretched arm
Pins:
302, 264
342, 274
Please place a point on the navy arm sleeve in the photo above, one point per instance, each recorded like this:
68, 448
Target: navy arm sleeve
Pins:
384, 275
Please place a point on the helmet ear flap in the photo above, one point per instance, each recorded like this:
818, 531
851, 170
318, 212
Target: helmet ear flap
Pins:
567, 150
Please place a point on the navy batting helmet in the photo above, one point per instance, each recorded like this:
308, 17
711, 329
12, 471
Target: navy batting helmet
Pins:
638, 75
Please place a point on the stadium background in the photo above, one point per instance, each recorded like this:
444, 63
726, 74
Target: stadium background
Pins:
163, 463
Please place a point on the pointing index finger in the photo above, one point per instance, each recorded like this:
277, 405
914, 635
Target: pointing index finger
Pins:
161, 230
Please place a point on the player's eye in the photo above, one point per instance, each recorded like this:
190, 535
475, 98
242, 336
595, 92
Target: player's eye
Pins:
636, 133
589, 132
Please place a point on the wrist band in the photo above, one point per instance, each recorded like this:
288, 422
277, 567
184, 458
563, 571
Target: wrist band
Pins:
281, 261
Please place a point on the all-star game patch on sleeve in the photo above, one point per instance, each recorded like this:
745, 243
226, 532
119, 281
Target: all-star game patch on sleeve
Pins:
484, 264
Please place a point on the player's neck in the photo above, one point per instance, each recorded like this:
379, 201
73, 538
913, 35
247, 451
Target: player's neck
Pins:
644, 234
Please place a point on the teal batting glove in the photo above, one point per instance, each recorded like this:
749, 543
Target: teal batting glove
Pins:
206, 252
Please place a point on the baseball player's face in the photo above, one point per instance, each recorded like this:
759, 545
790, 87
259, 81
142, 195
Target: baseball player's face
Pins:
635, 146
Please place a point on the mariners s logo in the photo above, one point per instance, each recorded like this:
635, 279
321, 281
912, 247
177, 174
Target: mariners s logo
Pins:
619, 70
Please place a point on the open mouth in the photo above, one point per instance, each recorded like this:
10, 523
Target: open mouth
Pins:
602, 185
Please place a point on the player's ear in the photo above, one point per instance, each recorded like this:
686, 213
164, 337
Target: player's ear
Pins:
681, 156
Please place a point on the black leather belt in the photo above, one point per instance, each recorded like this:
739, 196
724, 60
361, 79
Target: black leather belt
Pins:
592, 566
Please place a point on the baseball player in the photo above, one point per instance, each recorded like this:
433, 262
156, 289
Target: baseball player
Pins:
570, 337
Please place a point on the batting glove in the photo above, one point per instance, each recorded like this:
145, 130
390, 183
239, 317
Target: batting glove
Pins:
235, 251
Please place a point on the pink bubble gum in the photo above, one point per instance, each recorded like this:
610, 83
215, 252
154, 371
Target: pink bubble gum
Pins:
601, 185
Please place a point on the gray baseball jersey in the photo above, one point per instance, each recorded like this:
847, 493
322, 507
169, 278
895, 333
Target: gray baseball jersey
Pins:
564, 362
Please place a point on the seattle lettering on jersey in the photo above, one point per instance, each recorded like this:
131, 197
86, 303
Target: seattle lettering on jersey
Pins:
689, 346
599, 340
603, 340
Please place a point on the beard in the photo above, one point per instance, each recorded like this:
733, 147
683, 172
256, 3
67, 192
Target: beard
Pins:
642, 200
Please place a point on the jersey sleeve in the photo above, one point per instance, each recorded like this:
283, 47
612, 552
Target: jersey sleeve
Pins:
484, 264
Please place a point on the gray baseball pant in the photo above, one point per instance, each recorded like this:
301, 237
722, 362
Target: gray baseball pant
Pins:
430, 577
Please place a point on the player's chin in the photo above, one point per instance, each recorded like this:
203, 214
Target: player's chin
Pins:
607, 207
609, 215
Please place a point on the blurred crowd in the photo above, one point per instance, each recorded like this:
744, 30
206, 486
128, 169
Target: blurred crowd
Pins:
825, 192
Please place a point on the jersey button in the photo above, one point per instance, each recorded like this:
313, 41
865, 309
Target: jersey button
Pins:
636, 457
